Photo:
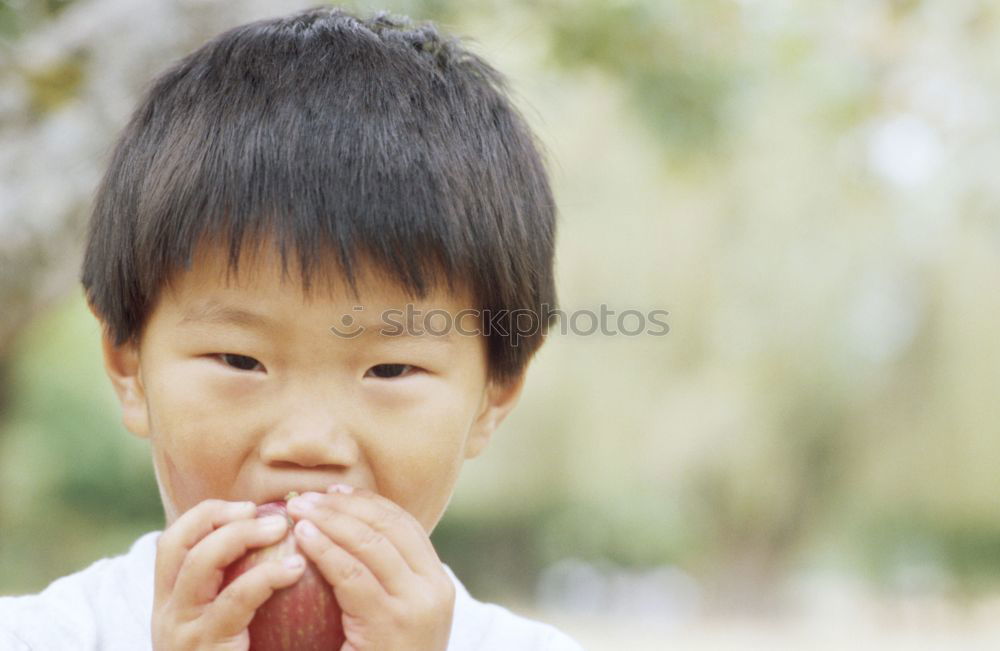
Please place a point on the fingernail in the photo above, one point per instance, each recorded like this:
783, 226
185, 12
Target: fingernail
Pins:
340, 488
311, 497
273, 523
294, 562
306, 528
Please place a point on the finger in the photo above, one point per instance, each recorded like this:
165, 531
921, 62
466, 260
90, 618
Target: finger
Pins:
354, 585
176, 541
231, 612
357, 538
394, 522
202, 570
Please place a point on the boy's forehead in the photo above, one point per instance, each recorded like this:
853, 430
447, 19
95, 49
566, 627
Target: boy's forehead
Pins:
212, 282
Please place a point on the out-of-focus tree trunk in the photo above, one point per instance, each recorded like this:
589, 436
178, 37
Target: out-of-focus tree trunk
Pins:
4, 384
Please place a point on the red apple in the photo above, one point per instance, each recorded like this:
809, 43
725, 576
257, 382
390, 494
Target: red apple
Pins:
304, 616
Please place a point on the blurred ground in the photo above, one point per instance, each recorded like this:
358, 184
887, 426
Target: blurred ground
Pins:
887, 627
737, 635
612, 609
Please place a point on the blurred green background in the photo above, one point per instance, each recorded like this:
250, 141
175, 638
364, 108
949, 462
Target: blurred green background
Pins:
807, 187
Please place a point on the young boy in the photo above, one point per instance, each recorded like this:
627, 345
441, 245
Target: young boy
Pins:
306, 255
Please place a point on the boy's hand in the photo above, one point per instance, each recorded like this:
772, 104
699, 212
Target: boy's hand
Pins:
388, 580
189, 612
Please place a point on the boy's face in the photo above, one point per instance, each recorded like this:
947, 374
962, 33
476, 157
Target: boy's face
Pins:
242, 409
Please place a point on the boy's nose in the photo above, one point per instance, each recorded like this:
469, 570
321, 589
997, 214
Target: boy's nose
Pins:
310, 446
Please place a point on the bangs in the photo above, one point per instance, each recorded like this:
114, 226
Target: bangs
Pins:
330, 176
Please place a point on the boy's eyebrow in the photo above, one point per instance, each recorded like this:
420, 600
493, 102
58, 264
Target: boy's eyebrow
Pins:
382, 330
215, 312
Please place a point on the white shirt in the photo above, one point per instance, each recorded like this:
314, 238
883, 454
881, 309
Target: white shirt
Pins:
109, 605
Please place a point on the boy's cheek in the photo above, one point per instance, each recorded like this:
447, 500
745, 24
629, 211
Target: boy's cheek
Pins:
424, 495
182, 489
193, 465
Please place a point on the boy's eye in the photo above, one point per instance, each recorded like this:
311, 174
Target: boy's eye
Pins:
241, 362
389, 370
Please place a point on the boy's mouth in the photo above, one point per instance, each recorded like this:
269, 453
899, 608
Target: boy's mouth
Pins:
282, 494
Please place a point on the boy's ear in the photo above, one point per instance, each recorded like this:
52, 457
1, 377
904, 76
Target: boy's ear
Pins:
498, 400
122, 366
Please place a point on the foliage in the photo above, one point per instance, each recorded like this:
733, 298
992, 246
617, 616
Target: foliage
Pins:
807, 189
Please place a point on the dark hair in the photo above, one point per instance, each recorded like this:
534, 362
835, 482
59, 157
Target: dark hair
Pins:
351, 140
